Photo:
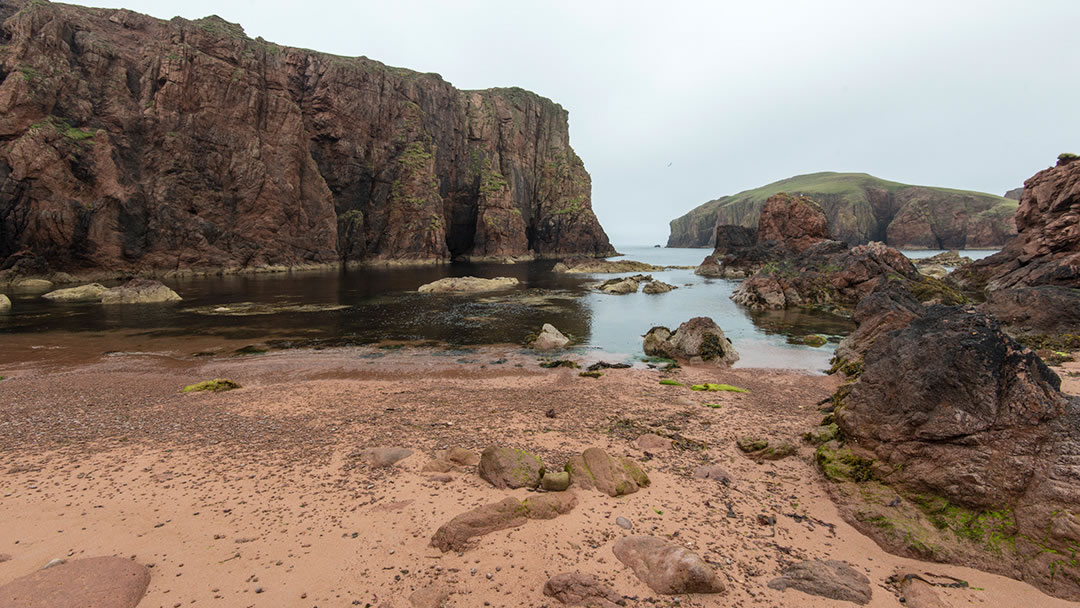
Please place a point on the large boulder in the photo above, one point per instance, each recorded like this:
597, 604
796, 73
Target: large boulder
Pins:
833, 579
792, 221
1044, 310
624, 285
594, 469
83, 293
101, 582
655, 287
510, 468
594, 265
468, 285
951, 410
1046, 250
457, 534
889, 307
667, 568
31, 285
698, 340
140, 291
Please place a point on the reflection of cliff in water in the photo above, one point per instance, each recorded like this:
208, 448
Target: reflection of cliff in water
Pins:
794, 322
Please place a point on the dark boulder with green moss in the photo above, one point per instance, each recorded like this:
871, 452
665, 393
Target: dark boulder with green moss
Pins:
952, 414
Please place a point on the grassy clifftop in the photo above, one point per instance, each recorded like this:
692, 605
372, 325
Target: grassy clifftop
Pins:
863, 208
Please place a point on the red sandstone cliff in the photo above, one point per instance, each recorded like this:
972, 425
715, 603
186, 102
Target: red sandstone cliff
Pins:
131, 143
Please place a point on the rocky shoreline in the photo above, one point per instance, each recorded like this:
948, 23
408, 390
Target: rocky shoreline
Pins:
264, 491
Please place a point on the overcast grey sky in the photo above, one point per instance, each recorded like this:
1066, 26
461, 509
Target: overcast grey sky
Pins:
966, 94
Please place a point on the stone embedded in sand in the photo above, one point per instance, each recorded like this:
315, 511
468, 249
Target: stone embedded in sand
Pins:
434, 596
918, 593
101, 582
576, 589
651, 442
385, 456
594, 469
510, 468
667, 568
825, 578
549, 339
83, 293
712, 471
468, 285
697, 340
140, 291
437, 465
507, 513
555, 482
461, 456
759, 449
5, 303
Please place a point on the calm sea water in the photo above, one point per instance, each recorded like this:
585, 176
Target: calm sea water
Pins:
378, 305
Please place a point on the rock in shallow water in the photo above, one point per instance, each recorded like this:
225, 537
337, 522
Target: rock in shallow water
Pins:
140, 291
550, 338
84, 293
698, 340
666, 567
468, 285
5, 303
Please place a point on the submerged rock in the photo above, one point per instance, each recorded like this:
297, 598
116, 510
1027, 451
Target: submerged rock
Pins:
31, 285
140, 291
655, 287
101, 582
833, 579
468, 285
665, 567
510, 468
576, 589
697, 340
84, 293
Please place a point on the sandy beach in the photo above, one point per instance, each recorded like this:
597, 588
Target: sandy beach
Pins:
257, 496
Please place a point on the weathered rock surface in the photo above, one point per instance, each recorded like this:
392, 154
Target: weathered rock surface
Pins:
461, 456
983, 428
550, 338
1046, 250
101, 582
936, 271
667, 568
456, 534
655, 287
889, 307
828, 275
510, 468
825, 578
576, 589
594, 469
698, 340
947, 258
624, 285
468, 285
862, 208
384, 456
1042, 310
553, 481
918, 593
140, 291
134, 156
84, 293
592, 265
25, 285
651, 442
5, 303
432, 596
712, 471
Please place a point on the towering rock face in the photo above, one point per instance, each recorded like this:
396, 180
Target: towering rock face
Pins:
1047, 249
861, 208
133, 143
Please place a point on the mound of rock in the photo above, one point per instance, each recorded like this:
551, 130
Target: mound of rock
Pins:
698, 340
510, 468
456, 534
140, 291
1046, 250
598, 266
576, 589
549, 338
833, 579
83, 293
468, 285
624, 285
101, 582
594, 469
667, 568
951, 411
384, 456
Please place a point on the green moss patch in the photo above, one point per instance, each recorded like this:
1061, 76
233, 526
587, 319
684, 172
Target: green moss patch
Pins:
670, 382
560, 363
591, 374
718, 387
841, 464
216, 386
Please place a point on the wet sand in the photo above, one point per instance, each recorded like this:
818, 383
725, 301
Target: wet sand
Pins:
256, 497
